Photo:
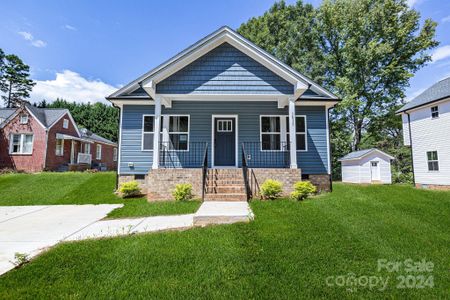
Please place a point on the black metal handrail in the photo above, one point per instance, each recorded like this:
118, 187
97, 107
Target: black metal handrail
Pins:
267, 155
204, 171
181, 155
245, 173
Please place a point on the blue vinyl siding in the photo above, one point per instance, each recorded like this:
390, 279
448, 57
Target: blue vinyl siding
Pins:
314, 161
225, 70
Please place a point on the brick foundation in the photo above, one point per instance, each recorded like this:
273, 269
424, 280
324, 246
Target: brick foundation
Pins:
128, 178
287, 177
162, 182
322, 182
433, 187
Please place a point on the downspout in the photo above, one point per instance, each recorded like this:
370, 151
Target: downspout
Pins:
411, 146
329, 151
118, 148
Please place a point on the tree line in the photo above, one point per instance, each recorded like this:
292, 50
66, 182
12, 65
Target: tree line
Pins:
364, 51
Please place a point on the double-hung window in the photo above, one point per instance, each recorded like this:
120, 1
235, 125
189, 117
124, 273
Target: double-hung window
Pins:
87, 148
98, 153
65, 123
178, 132
271, 132
275, 133
147, 132
435, 112
115, 154
433, 161
24, 119
21, 144
59, 151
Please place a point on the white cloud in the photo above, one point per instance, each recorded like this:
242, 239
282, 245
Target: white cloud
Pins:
441, 53
29, 37
70, 27
71, 86
26, 35
446, 19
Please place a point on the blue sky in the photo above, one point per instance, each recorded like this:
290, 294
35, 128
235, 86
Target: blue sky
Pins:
83, 50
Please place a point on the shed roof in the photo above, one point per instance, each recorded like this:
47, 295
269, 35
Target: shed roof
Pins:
436, 92
362, 153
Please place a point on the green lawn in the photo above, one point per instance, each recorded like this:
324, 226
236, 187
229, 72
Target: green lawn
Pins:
81, 188
289, 251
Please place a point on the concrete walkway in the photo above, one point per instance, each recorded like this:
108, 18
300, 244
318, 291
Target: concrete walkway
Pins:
33, 229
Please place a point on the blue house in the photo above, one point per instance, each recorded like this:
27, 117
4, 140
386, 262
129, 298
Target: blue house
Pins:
223, 115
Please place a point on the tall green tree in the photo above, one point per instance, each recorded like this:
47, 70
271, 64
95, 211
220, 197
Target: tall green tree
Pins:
365, 51
15, 81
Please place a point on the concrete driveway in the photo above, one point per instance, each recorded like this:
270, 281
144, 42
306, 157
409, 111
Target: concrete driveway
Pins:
32, 229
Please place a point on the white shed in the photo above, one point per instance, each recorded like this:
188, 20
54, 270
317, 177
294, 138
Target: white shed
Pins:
367, 166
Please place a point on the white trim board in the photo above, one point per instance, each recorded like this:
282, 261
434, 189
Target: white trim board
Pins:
236, 117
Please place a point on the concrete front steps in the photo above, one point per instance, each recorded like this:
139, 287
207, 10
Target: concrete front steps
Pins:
222, 212
225, 185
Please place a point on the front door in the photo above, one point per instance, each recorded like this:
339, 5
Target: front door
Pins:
224, 141
375, 170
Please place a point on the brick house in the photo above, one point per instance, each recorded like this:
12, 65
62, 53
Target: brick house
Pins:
35, 139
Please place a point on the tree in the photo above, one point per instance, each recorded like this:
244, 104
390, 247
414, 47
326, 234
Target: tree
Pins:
100, 118
365, 51
15, 81
371, 49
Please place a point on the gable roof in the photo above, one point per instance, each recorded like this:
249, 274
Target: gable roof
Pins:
134, 89
47, 116
362, 153
5, 113
436, 92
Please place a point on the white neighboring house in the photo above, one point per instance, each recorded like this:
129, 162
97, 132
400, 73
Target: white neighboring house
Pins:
426, 128
367, 166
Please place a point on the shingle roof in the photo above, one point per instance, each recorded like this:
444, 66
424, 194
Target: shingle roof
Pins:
5, 113
361, 153
88, 135
47, 116
437, 91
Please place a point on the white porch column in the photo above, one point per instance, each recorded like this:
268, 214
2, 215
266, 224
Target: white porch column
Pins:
292, 134
157, 129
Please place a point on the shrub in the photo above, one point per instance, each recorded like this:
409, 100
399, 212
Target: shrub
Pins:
182, 192
129, 189
20, 259
302, 190
398, 177
271, 189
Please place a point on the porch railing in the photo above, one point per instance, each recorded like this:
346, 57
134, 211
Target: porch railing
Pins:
204, 171
267, 155
245, 172
189, 155
84, 158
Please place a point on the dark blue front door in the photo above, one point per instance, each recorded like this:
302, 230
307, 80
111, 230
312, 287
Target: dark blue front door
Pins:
224, 142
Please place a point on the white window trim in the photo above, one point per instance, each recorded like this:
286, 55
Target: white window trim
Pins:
22, 136
66, 123
223, 129
306, 133
142, 132
166, 125
115, 154
27, 119
87, 146
431, 112
62, 147
437, 160
97, 147
283, 132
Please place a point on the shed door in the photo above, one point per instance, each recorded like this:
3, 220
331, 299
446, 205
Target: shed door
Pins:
375, 170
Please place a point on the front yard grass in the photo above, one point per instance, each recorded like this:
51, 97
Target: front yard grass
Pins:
49, 188
290, 250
